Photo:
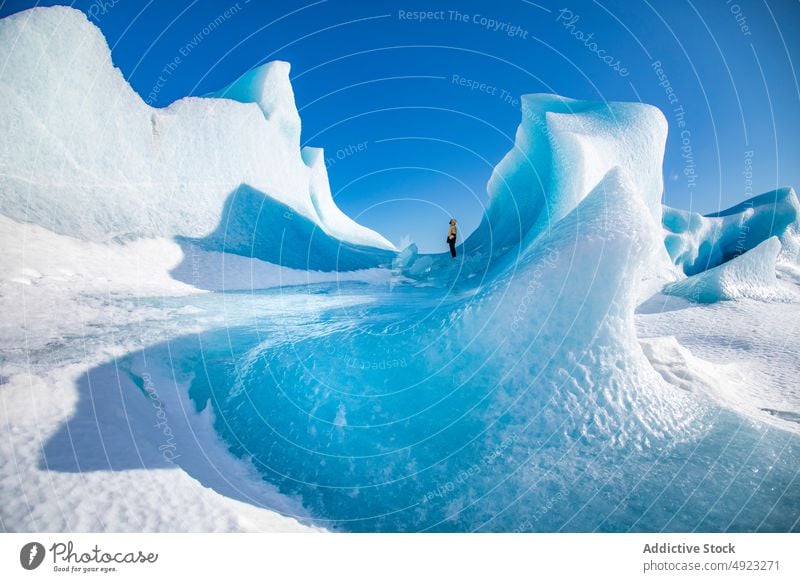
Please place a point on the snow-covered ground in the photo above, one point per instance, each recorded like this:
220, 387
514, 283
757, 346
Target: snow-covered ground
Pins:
742, 353
124, 483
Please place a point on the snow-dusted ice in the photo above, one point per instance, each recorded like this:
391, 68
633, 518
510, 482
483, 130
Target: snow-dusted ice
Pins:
196, 338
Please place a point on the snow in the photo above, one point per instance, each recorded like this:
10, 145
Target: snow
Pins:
56, 478
742, 353
50, 273
71, 309
681, 368
268, 87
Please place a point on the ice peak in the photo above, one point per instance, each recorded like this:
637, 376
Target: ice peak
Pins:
269, 87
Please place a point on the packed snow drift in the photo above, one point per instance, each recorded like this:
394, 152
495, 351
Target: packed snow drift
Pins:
593, 361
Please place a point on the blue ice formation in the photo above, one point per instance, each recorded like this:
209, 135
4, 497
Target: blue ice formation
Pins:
749, 275
696, 243
437, 408
514, 385
505, 391
226, 172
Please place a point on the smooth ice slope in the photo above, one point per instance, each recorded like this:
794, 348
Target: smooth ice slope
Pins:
149, 172
750, 275
696, 243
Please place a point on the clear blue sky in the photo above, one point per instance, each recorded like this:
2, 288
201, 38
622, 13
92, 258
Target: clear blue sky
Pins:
363, 73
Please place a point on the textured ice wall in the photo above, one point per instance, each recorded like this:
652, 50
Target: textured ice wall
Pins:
566, 322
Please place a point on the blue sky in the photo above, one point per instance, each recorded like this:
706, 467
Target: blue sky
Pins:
410, 144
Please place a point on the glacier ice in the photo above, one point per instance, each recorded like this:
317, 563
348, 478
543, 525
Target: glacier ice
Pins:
258, 226
268, 87
562, 150
483, 372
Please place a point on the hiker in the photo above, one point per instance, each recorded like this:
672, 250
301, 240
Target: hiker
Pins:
451, 237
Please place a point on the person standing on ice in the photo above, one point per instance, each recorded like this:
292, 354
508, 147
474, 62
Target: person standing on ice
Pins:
451, 237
